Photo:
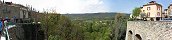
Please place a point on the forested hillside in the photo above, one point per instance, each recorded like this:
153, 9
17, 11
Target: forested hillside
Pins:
91, 16
87, 27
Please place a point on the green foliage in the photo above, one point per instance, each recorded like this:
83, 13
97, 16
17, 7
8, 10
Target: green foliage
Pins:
92, 16
96, 29
59, 27
136, 12
118, 31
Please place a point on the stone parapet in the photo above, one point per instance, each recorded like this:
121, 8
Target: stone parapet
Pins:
149, 30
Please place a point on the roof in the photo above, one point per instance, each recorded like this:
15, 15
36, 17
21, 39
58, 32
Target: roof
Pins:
141, 7
169, 5
152, 3
165, 9
9, 3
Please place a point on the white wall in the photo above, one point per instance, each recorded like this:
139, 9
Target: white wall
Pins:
153, 10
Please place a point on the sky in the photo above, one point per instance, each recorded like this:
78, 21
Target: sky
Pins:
88, 6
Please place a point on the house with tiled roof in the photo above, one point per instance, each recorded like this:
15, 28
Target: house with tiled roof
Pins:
152, 10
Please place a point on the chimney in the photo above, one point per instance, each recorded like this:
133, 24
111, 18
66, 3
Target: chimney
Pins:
171, 4
9, 3
152, 2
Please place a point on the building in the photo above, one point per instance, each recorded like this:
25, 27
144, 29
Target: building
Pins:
165, 13
10, 10
16, 11
169, 11
152, 10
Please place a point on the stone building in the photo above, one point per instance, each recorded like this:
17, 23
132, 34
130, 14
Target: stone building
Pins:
10, 10
152, 10
17, 11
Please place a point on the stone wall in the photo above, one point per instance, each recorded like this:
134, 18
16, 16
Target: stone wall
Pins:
26, 32
14, 10
149, 30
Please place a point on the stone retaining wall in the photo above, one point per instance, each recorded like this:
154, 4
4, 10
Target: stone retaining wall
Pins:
149, 30
26, 32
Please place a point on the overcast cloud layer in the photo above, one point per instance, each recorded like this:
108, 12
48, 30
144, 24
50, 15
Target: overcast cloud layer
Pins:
66, 6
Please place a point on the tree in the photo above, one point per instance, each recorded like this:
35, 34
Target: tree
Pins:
136, 12
96, 30
118, 31
59, 27
49, 21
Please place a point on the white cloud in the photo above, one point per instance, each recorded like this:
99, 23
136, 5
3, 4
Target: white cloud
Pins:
67, 6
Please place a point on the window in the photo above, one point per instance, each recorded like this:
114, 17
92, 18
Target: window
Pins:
148, 14
158, 8
158, 14
148, 8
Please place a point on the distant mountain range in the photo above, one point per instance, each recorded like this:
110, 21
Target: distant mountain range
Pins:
92, 16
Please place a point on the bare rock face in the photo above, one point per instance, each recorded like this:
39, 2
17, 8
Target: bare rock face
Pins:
149, 30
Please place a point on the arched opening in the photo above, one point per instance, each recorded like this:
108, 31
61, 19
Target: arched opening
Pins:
166, 16
130, 35
151, 19
158, 18
138, 37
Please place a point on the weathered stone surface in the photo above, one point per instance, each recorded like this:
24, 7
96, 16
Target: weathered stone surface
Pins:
149, 30
26, 32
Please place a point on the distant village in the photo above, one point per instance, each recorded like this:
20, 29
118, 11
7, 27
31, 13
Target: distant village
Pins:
153, 11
